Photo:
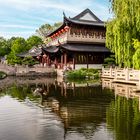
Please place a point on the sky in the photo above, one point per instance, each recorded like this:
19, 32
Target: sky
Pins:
23, 17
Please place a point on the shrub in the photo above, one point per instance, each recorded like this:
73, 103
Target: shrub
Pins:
30, 61
2, 75
83, 73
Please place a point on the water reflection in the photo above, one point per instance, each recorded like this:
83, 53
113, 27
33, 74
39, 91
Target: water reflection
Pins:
38, 109
123, 114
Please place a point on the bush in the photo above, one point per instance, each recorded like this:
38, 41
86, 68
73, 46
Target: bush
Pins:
83, 73
30, 61
2, 75
110, 61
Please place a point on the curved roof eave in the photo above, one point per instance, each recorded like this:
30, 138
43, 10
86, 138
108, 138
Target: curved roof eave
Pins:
101, 24
51, 33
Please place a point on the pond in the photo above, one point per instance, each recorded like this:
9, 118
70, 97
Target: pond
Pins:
46, 109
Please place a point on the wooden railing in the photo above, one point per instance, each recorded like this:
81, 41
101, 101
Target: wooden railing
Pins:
124, 75
67, 37
85, 38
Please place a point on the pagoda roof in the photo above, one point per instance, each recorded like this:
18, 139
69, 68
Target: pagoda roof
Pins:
84, 22
51, 49
85, 48
77, 48
35, 51
86, 17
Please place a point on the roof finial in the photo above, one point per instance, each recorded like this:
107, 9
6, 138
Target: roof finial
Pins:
64, 14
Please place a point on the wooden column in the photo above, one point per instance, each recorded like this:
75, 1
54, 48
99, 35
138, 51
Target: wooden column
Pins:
74, 62
42, 61
62, 61
48, 60
87, 61
55, 62
65, 59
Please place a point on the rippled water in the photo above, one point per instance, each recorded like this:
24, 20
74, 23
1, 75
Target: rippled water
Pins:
51, 110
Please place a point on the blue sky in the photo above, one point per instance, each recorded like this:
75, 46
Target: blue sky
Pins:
23, 17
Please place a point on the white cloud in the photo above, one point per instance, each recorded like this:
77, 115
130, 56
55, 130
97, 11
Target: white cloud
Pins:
16, 26
16, 34
28, 14
29, 4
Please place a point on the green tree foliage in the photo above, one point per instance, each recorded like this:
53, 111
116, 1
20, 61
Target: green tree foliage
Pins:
30, 61
136, 56
109, 61
47, 28
33, 41
122, 29
18, 45
3, 46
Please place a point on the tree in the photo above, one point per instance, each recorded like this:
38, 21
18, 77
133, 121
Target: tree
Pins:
47, 28
136, 56
33, 41
9, 43
18, 45
109, 61
123, 29
3, 46
30, 61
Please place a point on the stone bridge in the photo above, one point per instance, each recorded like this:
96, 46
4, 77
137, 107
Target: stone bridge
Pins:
27, 71
9, 70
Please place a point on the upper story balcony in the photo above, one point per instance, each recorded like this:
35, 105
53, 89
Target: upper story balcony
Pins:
67, 37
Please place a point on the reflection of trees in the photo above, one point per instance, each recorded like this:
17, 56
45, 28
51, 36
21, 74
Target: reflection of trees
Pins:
123, 117
20, 92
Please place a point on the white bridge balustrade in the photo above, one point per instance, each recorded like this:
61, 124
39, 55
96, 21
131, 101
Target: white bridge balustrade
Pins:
122, 75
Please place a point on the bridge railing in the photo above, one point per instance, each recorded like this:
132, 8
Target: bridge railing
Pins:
23, 70
122, 74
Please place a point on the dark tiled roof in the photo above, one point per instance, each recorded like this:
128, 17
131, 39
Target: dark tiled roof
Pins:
35, 51
77, 20
84, 13
51, 49
85, 48
92, 23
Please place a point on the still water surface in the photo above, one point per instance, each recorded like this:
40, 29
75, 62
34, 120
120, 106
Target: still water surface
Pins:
51, 110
